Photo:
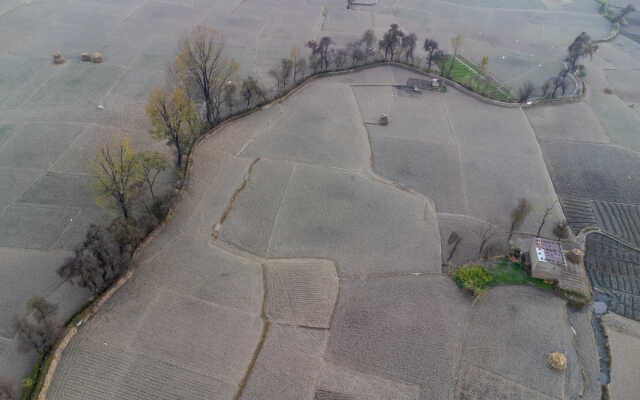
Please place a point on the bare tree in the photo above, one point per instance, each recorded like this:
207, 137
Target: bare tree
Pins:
580, 47
453, 241
152, 164
294, 55
286, 67
518, 216
340, 58
486, 236
228, 93
174, 119
357, 55
623, 13
320, 52
551, 86
300, 69
368, 39
559, 82
203, 68
546, 214
38, 330
408, 44
275, 74
96, 263
526, 91
117, 175
561, 230
391, 41
251, 90
430, 46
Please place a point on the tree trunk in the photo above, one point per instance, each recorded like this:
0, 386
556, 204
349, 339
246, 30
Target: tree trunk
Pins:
179, 159
178, 154
209, 110
123, 207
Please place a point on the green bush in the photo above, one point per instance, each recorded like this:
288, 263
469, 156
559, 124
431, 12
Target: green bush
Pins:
474, 278
29, 383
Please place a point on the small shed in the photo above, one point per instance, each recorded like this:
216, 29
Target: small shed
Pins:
424, 84
547, 259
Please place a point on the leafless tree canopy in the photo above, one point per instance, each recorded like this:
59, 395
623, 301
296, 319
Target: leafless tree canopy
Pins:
561, 230
391, 41
97, 262
251, 90
526, 91
430, 46
204, 69
409, 45
519, 215
38, 329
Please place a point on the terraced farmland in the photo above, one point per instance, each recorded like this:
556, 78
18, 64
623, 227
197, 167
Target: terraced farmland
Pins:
621, 220
579, 214
615, 269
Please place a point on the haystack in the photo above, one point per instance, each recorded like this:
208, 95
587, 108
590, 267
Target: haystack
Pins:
85, 57
97, 58
58, 58
557, 361
575, 256
384, 119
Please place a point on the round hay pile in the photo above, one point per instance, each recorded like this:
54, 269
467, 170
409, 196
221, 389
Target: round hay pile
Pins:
96, 58
58, 59
557, 361
85, 57
384, 120
575, 256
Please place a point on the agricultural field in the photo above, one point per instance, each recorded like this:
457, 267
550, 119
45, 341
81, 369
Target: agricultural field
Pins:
352, 203
338, 282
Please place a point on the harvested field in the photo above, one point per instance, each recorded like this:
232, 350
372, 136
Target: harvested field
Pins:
593, 171
615, 270
470, 160
621, 220
285, 273
579, 213
624, 338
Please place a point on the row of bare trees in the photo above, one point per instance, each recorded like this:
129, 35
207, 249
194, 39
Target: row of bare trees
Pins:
200, 90
395, 45
581, 47
490, 243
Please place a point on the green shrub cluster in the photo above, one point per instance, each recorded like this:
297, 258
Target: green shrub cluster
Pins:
33, 381
475, 278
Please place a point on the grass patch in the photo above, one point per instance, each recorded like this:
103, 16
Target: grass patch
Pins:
469, 76
507, 272
477, 278
32, 383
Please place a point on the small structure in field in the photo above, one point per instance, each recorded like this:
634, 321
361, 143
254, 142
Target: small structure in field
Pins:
384, 119
424, 84
58, 59
557, 361
547, 260
96, 58
575, 256
85, 57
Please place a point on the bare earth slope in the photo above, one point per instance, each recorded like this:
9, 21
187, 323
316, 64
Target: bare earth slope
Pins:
324, 280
